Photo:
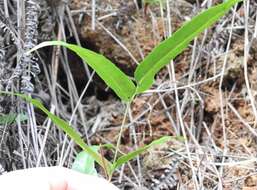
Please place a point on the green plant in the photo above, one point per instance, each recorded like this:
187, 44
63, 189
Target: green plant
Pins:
123, 86
10, 118
108, 167
157, 59
85, 163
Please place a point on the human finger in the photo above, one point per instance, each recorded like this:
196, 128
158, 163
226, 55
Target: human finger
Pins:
52, 178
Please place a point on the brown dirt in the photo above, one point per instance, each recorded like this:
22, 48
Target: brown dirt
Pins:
139, 35
154, 114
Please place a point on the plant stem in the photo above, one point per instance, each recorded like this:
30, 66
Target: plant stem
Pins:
120, 133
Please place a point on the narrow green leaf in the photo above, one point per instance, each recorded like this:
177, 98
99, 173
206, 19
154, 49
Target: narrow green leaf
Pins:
85, 163
170, 48
68, 130
124, 159
118, 81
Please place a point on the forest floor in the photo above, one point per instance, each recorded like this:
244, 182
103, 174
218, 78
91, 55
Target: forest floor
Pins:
207, 94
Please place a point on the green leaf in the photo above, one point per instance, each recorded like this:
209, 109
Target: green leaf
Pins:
21, 117
68, 130
112, 75
170, 48
85, 163
11, 118
7, 119
124, 159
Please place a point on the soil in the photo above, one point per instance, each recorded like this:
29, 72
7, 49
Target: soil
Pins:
215, 76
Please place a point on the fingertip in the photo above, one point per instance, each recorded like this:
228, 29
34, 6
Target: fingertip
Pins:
59, 185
